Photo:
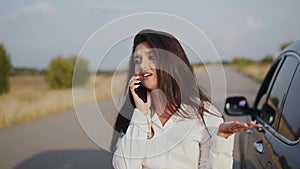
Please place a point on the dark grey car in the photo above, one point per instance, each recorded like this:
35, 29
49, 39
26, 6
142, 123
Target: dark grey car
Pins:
277, 107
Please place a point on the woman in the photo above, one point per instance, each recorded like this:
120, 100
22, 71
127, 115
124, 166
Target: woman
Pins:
174, 125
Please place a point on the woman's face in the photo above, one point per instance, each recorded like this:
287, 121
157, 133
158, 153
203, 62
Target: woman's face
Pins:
145, 65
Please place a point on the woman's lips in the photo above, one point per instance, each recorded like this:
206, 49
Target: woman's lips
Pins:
145, 75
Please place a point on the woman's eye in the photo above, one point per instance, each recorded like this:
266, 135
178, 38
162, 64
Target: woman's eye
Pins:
137, 61
152, 57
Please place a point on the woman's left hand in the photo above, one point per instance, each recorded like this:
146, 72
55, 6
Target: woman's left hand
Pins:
226, 129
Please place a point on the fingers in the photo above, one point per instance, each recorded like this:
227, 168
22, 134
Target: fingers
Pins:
134, 82
228, 128
253, 124
240, 127
143, 107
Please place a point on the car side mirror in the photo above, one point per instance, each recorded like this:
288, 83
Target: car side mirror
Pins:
236, 106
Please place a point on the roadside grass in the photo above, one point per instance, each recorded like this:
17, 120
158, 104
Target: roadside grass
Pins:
255, 70
30, 98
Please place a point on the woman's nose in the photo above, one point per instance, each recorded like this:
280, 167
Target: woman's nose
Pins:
144, 63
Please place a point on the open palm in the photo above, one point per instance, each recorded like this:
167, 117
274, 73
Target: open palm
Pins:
226, 129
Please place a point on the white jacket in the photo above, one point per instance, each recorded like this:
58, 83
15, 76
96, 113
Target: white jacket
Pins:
181, 143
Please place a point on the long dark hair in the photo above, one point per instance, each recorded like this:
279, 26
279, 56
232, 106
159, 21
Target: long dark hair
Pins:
175, 75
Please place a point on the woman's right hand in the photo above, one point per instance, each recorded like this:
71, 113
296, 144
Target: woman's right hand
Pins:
226, 129
139, 103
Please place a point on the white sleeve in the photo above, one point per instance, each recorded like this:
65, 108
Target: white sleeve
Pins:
221, 153
216, 152
131, 148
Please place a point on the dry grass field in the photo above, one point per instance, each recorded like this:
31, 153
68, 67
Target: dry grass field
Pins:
30, 98
255, 70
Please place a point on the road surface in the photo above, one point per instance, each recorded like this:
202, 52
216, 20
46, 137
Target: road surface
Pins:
58, 141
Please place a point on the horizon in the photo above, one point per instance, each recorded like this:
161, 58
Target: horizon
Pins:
35, 32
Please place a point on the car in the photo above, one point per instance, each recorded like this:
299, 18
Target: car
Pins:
277, 107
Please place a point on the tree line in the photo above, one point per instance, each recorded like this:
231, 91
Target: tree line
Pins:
61, 72
67, 72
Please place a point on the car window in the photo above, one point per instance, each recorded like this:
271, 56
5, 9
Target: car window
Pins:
262, 94
289, 121
271, 108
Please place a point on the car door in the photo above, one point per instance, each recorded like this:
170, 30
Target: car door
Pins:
285, 143
267, 110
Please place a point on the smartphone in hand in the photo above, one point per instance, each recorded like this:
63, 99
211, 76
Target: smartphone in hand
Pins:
141, 91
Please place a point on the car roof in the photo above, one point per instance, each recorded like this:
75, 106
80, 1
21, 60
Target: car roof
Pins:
294, 47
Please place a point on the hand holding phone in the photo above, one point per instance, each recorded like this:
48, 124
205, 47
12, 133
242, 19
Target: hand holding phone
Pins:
141, 91
139, 95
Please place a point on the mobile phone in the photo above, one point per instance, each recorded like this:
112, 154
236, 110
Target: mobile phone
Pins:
141, 91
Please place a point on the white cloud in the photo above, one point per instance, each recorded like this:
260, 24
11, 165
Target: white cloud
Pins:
38, 7
253, 24
115, 7
234, 36
41, 8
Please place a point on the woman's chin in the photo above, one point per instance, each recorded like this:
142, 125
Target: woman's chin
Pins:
149, 86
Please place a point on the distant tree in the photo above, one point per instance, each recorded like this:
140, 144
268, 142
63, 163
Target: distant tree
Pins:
5, 68
268, 59
226, 62
241, 61
60, 72
285, 45
26, 71
81, 70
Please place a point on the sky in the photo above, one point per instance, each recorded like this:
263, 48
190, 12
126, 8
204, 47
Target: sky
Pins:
34, 32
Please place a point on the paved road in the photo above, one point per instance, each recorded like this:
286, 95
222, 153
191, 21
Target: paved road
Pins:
236, 85
58, 141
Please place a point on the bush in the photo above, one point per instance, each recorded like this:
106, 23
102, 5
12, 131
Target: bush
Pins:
267, 59
285, 45
241, 62
81, 72
60, 72
5, 68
